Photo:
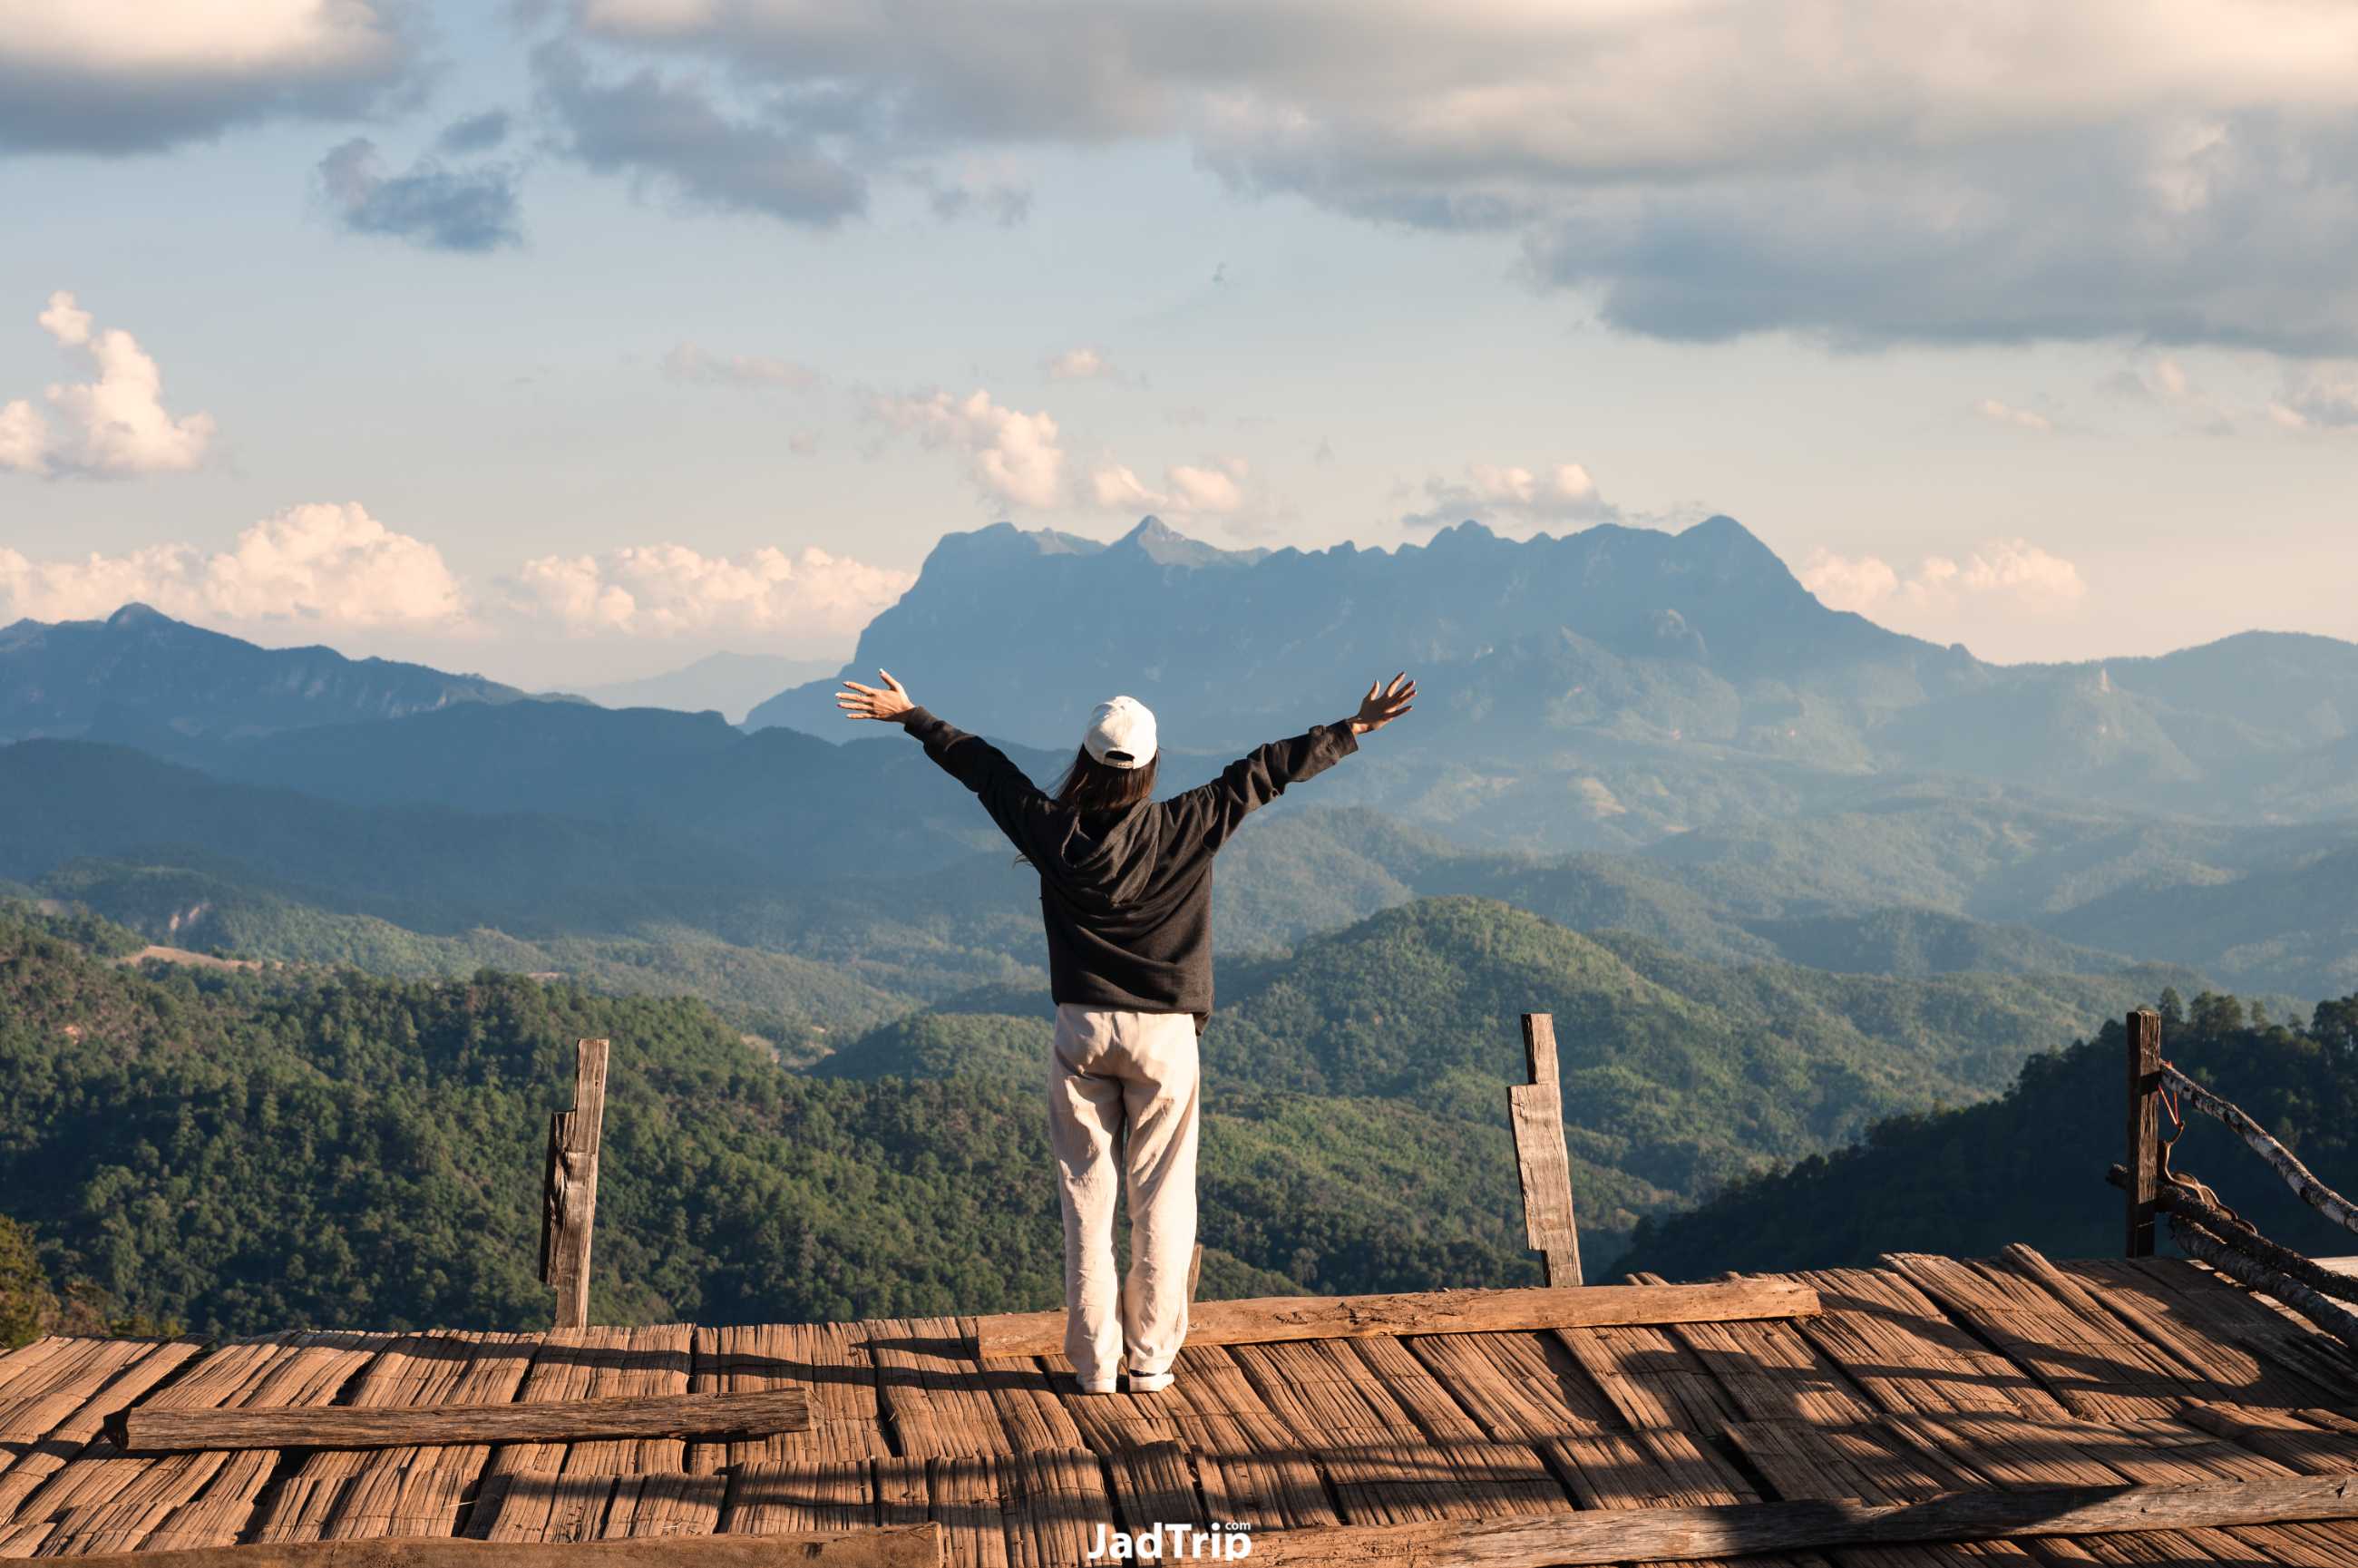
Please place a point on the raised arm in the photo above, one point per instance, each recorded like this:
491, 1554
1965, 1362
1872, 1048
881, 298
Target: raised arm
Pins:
1252, 781
1005, 790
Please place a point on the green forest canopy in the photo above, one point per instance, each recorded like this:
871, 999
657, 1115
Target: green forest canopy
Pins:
2029, 1165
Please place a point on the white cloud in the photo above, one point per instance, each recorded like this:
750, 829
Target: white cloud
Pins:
1863, 169
665, 591
1081, 364
332, 565
114, 76
2321, 398
2010, 574
1998, 413
337, 566
1846, 582
1510, 496
688, 363
1188, 489
2153, 378
1012, 456
113, 425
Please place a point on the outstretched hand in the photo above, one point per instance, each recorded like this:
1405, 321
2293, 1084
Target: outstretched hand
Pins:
1384, 701
890, 704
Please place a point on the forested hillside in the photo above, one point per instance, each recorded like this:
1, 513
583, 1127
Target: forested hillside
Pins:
1679, 1075
236, 1152
2029, 1165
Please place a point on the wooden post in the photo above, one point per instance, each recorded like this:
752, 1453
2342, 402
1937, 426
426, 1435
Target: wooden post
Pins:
569, 1189
2143, 1164
1536, 1110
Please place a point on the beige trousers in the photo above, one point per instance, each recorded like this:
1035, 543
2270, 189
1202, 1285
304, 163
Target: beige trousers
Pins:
1121, 1117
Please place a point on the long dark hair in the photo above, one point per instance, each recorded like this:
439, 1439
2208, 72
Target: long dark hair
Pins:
1091, 785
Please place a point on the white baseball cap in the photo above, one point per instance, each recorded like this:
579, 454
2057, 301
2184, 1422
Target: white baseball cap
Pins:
1121, 733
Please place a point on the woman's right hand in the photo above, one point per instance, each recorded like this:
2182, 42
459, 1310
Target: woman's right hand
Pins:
891, 704
1384, 701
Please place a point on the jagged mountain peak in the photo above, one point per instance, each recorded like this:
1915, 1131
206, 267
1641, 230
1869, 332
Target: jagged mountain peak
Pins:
1165, 545
1010, 640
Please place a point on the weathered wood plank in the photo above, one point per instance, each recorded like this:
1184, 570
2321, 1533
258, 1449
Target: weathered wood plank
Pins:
2298, 1445
2246, 1344
1060, 1502
1621, 1535
106, 1501
657, 1359
2091, 1361
1536, 1111
902, 1546
1901, 1352
1273, 1319
1768, 1369
147, 1429
1649, 1378
931, 1390
778, 1497
667, 1502
569, 1186
1522, 1388
353, 1495
828, 1359
48, 1420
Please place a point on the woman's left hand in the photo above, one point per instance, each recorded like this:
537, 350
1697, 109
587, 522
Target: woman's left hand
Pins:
858, 701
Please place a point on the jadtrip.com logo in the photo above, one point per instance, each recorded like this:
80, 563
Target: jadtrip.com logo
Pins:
1221, 1541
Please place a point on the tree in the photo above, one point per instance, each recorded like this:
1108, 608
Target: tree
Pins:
28, 1305
2215, 1015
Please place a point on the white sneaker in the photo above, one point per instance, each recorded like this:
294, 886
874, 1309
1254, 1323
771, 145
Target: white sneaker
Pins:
1096, 1388
1148, 1382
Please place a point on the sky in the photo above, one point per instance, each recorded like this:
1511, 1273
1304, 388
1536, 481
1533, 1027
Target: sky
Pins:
568, 343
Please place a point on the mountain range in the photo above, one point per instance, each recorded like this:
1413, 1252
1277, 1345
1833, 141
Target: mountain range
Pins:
1779, 872
142, 678
1598, 689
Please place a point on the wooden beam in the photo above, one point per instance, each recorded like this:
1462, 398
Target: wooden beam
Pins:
2221, 1254
1536, 1110
1736, 1530
2144, 1164
569, 1186
893, 1546
2175, 1200
155, 1429
1267, 1319
2298, 1177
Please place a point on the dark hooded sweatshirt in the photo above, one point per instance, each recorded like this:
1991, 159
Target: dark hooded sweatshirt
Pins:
1127, 893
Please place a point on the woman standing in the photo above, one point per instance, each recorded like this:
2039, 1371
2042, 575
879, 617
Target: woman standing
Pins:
1126, 892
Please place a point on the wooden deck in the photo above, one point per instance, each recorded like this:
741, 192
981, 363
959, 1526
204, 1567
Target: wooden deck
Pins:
1924, 1375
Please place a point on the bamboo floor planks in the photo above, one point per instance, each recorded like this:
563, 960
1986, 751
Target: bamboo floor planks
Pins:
1923, 1377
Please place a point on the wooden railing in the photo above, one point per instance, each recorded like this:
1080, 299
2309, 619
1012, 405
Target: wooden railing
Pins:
2199, 1222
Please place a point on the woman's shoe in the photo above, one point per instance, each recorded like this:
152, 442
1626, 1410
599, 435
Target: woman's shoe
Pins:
1150, 1382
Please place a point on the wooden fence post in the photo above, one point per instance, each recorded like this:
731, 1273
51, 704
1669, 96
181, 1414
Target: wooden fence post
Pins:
1536, 1110
569, 1188
2143, 1165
